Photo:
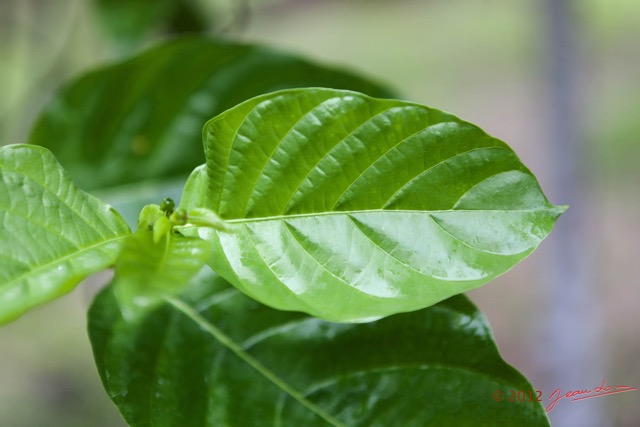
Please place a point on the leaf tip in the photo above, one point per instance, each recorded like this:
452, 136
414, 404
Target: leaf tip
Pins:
560, 209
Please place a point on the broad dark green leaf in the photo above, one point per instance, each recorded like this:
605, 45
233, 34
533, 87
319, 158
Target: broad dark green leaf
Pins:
142, 118
217, 358
52, 234
351, 208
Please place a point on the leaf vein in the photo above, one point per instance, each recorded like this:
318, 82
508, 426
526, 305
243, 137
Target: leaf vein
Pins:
279, 144
444, 161
329, 152
250, 360
383, 155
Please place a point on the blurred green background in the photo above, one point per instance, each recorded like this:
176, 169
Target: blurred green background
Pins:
485, 61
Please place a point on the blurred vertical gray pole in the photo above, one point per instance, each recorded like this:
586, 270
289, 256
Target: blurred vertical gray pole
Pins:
570, 351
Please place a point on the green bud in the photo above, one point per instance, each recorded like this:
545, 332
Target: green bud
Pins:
179, 217
167, 206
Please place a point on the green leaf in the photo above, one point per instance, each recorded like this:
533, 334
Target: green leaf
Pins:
142, 118
146, 271
53, 234
217, 358
148, 268
351, 208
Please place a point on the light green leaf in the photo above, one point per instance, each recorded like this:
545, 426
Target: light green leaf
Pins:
351, 208
53, 234
215, 358
147, 271
141, 119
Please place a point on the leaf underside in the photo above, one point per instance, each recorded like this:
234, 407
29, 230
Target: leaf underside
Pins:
53, 234
352, 208
217, 358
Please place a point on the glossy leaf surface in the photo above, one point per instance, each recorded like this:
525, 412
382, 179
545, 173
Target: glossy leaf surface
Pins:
351, 208
142, 118
53, 234
217, 358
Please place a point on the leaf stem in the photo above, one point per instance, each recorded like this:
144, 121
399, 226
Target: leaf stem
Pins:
250, 360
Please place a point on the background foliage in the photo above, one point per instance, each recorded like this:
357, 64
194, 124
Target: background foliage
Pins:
482, 60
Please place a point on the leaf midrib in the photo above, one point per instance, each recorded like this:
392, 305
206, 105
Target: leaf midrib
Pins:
62, 259
364, 211
226, 341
